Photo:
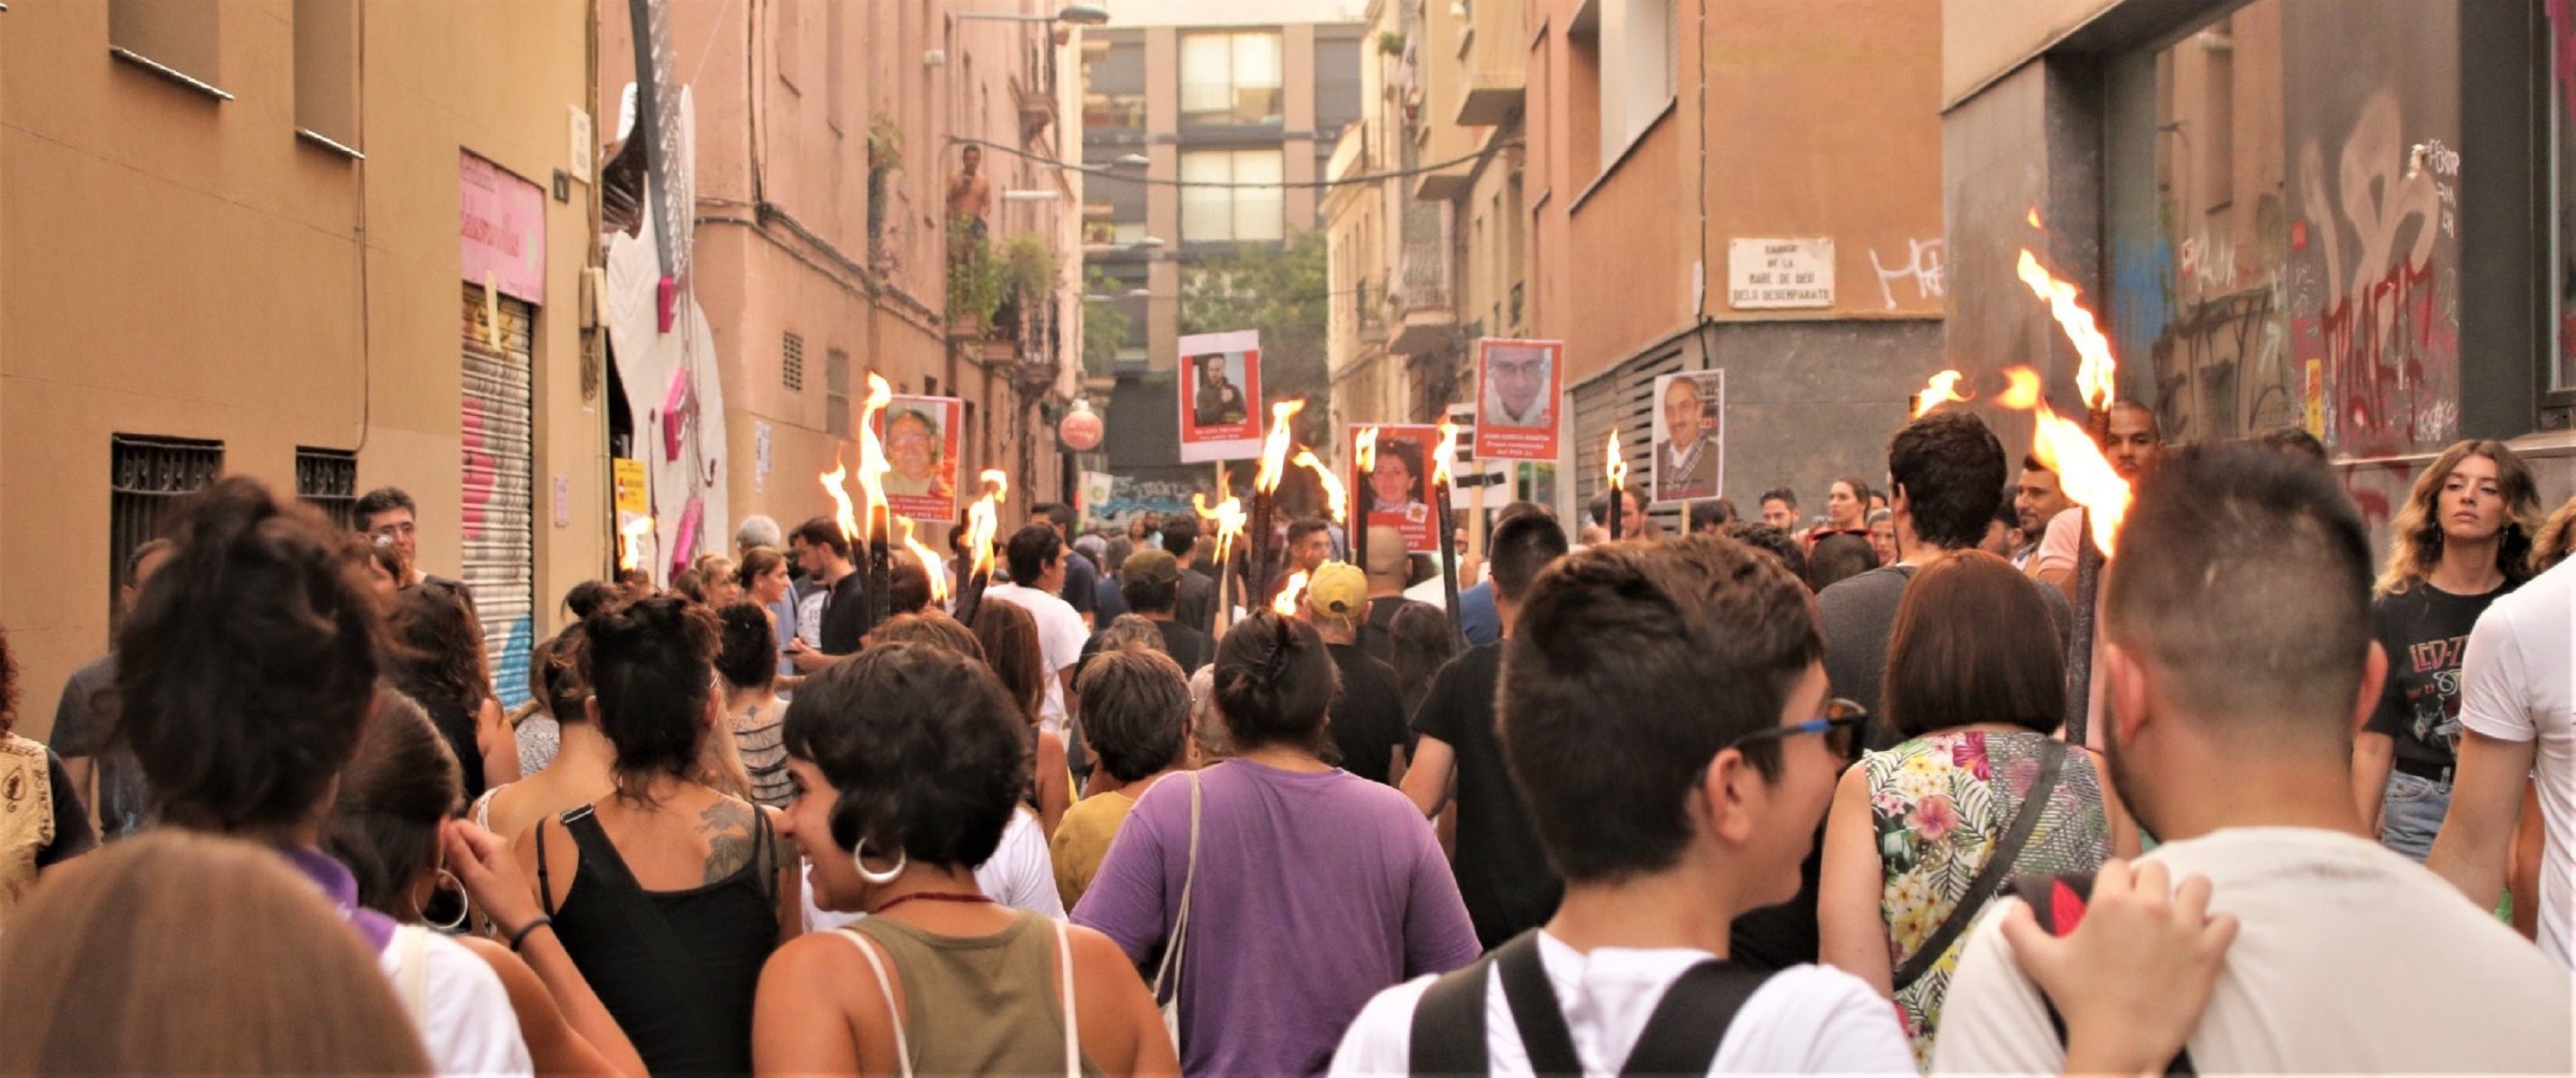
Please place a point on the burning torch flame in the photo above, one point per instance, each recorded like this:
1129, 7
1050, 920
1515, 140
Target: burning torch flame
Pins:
929, 561
984, 521
2034, 217
1444, 453
2093, 374
630, 554
1290, 591
1364, 449
843, 513
872, 463
2066, 448
2021, 393
1228, 515
1942, 389
1335, 496
1274, 449
1617, 468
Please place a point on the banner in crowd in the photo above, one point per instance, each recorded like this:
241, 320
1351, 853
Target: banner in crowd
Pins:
1690, 436
920, 435
1399, 490
1517, 386
1130, 497
1221, 414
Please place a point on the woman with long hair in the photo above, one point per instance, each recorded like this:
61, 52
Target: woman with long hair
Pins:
1976, 683
244, 677
1204, 872
175, 952
583, 768
2462, 541
908, 764
747, 661
668, 894
763, 576
390, 824
1012, 648
438, 652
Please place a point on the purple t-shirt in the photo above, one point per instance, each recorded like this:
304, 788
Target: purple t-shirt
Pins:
1315, 891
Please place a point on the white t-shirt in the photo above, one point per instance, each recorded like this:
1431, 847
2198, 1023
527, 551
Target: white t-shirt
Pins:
1060, 637
2514, 685
2349, 958
468, 1027
809, 617
1803, 1020
1021, 875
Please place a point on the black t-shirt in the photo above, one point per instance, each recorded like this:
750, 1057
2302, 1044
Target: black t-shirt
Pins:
72, 835
845, 615
2424, 629
1378, 636
1081, 583
1367, 720
1502, 871
80, 731
1187, 646
1195, 604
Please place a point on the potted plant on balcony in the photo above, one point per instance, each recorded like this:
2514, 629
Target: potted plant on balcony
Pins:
1025, 266
975, 281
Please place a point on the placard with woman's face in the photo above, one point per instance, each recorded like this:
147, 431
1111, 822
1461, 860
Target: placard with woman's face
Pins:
1399, 488
920, 436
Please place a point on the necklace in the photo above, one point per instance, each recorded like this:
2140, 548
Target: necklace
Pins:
931, 896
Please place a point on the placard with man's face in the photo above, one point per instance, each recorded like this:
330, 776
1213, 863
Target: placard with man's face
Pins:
920, 436
1517, 385
1221, 416
1690, 452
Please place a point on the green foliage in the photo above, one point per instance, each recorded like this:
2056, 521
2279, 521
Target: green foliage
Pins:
1284, 293
885, 144
976, 286
1027, 266
1104, 327
1390, 42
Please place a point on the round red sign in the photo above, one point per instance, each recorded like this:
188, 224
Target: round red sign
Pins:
1080, 431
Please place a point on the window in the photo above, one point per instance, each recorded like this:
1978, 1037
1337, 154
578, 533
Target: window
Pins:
327, 479
326, 73
146, 478
836, 393
176, 39
1113, 83
1232, 214
1230, 78
1636, 70
791, 363
1337, 79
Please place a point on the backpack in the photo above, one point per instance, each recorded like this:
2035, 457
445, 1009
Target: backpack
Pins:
2058, 902
1681, 1037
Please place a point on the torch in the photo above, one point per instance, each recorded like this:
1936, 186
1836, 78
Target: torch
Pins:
1364, 462
2074, 451
1227, 516
1616, 468
880, 524
983, 521
1441, 456
1265, 485
636, 532
929, 562
1337, 500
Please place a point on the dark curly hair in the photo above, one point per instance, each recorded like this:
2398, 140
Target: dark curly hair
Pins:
246, 670
923, 746
436, 647
8, 684
1274, 682
403, 783
1773, 541
748, 656
650, 663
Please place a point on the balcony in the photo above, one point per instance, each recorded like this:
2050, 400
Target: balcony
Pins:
1491, 96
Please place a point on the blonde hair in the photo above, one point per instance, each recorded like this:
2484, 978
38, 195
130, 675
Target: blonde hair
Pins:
112, 966
2415, 538
2557, 537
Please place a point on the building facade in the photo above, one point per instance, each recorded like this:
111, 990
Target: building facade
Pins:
326, 244
2275, 207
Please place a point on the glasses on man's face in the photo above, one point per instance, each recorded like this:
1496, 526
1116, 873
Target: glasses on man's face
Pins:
1840, 722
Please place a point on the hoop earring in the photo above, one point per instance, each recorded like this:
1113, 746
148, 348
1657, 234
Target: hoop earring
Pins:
859, 859
464, 907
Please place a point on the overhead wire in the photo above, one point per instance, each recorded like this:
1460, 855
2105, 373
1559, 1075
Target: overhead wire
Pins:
1111, 172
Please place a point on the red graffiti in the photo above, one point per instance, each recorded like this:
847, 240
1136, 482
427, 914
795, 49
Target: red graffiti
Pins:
2377, 340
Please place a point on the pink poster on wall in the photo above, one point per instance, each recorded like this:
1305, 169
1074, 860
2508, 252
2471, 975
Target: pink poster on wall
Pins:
501, 229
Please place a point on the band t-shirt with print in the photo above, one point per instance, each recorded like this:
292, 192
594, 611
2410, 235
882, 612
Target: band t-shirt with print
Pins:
2424, 629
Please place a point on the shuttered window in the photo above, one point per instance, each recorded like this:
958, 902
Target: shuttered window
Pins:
176, 39
327, 479
498, 510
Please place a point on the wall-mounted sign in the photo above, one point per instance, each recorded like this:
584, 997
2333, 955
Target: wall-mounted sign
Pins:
1779, 274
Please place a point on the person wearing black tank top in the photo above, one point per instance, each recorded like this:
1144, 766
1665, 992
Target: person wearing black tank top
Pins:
668, 894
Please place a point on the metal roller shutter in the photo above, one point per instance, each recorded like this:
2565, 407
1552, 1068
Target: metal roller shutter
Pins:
1624, 396
499, 505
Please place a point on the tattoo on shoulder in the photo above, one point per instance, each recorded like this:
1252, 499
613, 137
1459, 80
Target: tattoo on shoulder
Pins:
727, 826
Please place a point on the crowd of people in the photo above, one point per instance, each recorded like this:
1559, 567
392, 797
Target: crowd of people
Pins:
1760, 796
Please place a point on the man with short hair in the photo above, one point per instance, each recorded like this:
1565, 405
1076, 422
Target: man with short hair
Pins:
1502, 873
755, 531
1081, 588
1150, 586
1660, 712
1390, 568
2037, 500
1710, 515
2239, 661
1036, 555
1480, 619
1135, 720
2134, 444
2517, 710
840, 606
1309, 546
1368, 715
1195, 604
1780, 509
105, 773
388, 515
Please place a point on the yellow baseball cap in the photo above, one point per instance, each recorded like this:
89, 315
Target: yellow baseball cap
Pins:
1338, 590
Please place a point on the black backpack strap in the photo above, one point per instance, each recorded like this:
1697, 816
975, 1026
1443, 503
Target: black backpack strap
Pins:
1683, 1034
1449, 1023
1534, 1008
2058, 903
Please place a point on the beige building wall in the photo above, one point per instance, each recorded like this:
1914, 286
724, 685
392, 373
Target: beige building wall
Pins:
183, 265
1981, 40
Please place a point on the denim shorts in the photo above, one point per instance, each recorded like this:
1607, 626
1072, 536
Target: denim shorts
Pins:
2412, 814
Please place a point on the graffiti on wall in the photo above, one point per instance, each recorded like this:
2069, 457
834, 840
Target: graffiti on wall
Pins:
1921, 267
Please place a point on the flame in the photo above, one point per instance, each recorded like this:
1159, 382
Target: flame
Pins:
1290, 591
1942, 389
1334, 494
1364, 449
984, 521
1274, 448
2093, 376
1445, 453
630, 552
2022, 392
2066, 448
843, 513
1228, 514
872, 463
2034, 217
929, 561
1617, 468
